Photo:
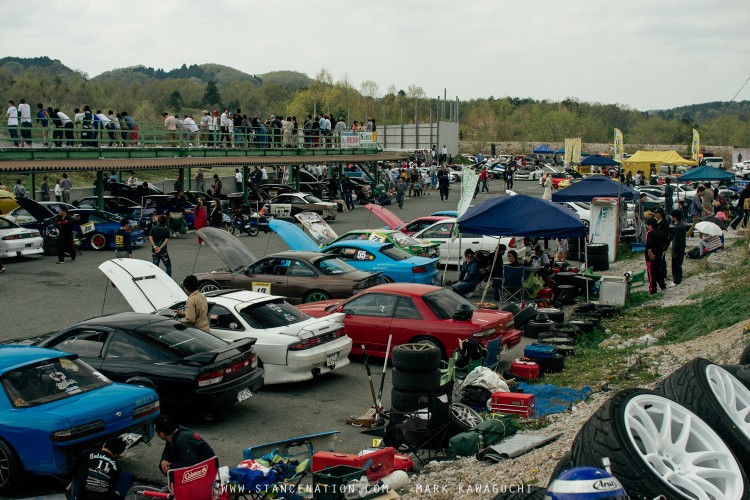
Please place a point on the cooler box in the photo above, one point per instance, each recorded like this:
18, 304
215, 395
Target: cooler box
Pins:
330, 483
382, 461
513, 403
524, 368
613, 290
537, 350
402, 462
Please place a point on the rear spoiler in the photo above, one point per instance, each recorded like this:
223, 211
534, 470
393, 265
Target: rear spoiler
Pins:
229, 351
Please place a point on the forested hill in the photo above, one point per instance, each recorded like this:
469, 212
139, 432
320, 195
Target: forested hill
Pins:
697, 113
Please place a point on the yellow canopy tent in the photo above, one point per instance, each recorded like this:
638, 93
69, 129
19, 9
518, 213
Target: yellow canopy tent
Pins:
644, 160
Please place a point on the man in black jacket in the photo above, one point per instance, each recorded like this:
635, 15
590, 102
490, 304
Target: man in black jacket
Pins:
183, 447
97, 475
678, 246
654, 254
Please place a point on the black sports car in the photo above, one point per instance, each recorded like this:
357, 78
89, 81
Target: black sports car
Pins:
189, 368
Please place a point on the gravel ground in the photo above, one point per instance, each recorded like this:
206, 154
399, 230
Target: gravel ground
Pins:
468, 478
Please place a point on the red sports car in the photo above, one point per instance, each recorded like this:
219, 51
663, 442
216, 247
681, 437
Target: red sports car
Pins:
420, 223
558, 177
418, 313
393, 221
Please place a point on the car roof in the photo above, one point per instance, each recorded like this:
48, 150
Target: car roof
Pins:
12, 356
128, 320
241, 296
404, 288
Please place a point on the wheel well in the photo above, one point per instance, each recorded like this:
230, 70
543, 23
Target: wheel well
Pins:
433, 340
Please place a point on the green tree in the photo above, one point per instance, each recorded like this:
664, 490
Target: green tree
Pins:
175, 101
211, 96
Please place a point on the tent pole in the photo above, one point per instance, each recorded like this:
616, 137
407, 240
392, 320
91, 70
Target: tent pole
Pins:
586, 258
492, 269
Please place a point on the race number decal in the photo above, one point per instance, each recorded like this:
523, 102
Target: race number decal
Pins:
377, 237
261, 287
361, 255
87, 228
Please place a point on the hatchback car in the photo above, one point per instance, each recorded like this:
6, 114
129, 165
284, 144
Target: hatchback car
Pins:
16, 241
291, 345
417, 313
53, 405
298, 276
189, 368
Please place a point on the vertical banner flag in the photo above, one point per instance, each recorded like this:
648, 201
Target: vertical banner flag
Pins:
577, 150
619, 145
568, 151
696, 147
468, 186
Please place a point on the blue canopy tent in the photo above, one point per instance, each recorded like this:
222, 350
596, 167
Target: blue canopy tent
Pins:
560, 151
521, 215
599, 161
595, 186
544, 149
706, 174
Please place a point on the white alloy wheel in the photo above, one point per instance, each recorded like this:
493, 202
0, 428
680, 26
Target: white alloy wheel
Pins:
733, 394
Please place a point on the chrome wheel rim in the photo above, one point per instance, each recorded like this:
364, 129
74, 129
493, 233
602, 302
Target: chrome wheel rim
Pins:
316, 297
734, 397
466, 415
420, 346
686, 454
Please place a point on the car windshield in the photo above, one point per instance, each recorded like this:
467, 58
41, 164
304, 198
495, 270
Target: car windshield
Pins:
444, 303
395, 253
582, 204
313, 199
6, 224
333, 265
50, 380
185, 341
272, 314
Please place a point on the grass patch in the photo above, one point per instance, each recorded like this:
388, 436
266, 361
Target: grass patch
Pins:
625, 253
636, 299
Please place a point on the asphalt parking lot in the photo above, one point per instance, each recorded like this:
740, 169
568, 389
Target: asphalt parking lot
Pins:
39, 296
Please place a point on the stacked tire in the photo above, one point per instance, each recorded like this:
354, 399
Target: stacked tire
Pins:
416, 373
598, 256
575, 248
688, 439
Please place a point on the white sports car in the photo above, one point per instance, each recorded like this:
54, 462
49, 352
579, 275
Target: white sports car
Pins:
291, 345
17, 241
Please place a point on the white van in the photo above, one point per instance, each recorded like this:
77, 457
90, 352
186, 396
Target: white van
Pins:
713, 161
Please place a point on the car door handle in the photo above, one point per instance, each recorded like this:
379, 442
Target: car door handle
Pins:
475, 243
279, 282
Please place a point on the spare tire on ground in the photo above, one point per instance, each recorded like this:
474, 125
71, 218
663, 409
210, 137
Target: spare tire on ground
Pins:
607, 311
717, 397
568, 329
533, 329
600, 266
647, 437
745, 356
524, 316
416, 358
583, 323
552, 313
423, 382
597, 249
563, 278
512, 308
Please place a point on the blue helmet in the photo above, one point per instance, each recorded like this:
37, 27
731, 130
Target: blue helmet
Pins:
586, 483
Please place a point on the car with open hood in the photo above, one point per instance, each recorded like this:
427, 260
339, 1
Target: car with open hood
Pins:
21, 216
53, 405
366, 255
303, 202
191, 370
418, 313
291, 345
119, 205
17, 241
393, 221
298, 276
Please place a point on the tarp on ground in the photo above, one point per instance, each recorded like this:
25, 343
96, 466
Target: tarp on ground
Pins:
554, 399
642, 160
521, 215
596, 186
599, 161
544, 149
706, 174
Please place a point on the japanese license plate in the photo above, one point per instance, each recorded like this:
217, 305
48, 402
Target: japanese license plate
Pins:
331, 360
244, 394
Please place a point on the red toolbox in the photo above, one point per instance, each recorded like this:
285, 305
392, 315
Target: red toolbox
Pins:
516, 403
381, 466
402, 462
525, 368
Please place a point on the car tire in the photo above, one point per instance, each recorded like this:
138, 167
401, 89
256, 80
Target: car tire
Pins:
208, 286
431, 341
512, 308
563, 278
745, 356
565, 463
607, 311
597, 249
568, 329
316, 296
523, 317
416, 358
464, 417
717, 397
415, 381
603, 266
98, 241
619, 430
553, 313
528, 493
12, 473
405, 401
533, 329
740, 372
582, 323
597, 259
554, 364
592, 317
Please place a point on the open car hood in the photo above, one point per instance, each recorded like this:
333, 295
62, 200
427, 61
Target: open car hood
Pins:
389, 218
293, 236
319, 229
146, 287
229, 249
37, 211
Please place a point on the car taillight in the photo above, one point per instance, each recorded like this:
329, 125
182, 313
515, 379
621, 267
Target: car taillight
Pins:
418, 269
146, 410
512, 243
485, 333
216, 376
12, 237
301, 345
78, 432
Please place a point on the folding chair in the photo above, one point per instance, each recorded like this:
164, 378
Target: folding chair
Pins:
512, 287
196, 482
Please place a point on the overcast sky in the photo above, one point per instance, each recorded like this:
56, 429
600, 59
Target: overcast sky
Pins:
646, 54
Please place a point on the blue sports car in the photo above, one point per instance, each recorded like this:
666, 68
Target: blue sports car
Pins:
53, 405
375, 257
